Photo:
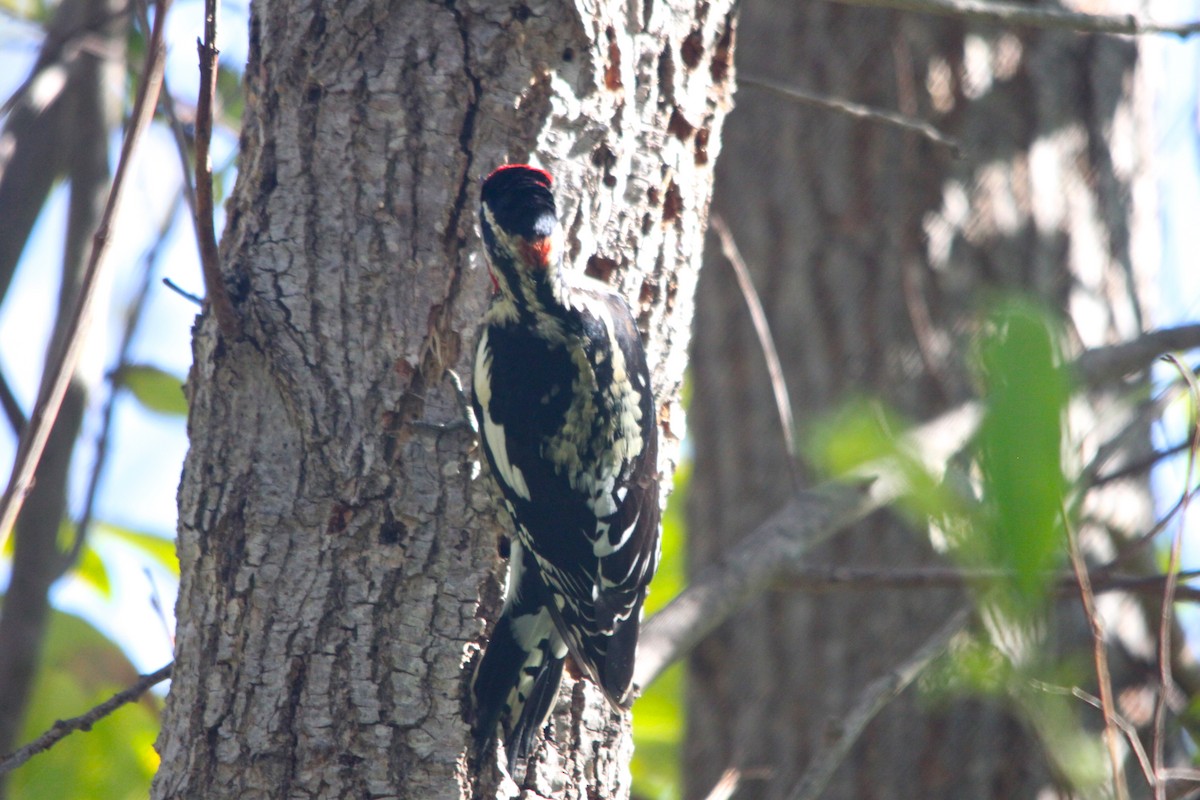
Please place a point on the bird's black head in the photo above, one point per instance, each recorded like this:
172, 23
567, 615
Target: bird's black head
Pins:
520, 201
520, 230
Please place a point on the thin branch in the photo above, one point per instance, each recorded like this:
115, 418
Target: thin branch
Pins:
1099, 654
132, 318
184, 293
61, 729
1106, 364
1127, 727
1136, 468
1128, 549
167, 103
29, 449
726, 785
1169, 590
856, 110
210, 257
831, 578
877, 695
1119, 360
783, 403
12, 407
1039, 16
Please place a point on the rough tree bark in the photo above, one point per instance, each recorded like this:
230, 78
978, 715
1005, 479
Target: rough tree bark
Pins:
874, 252
338, 561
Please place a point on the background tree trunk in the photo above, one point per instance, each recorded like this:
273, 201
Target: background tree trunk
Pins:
44, 139
875, 252
339, 562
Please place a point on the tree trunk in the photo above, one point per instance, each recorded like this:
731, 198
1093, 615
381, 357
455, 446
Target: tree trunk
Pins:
875, 251
339, 562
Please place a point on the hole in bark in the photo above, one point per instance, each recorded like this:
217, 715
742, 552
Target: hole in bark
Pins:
600, 268
568, 54
648, 293
392, 532
612, 71
672, 203
504, 547
679, 127
719, 68
666, 76
702, 146
522, 13
339, 518
692, 49
603, 156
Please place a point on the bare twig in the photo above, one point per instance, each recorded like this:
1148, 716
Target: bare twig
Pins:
184, 293
827, 578
167, 103
1099, 654
1127, 727
1168, 604
1105, 364
132, 318
766, 341
12, 407
1135, 468
29, 450
61, 729
877, 695
856, 110
1118, 360
726, 785
210, 258
1033, 16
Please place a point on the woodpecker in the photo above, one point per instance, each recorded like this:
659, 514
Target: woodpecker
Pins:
566, 415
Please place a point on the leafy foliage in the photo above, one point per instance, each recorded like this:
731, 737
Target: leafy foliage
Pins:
1000, 508
79, 669
1020, 448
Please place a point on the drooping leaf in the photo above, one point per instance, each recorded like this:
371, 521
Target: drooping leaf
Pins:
90, 569
1020, 446
156, 389
79, 669
159, 549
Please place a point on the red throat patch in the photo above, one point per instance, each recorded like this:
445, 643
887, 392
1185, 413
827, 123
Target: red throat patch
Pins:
537, 253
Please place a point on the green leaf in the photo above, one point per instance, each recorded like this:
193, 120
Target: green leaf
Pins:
865, 431
1020, 446
79, 669
91, 570
156, 389
157, 548
857, 433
